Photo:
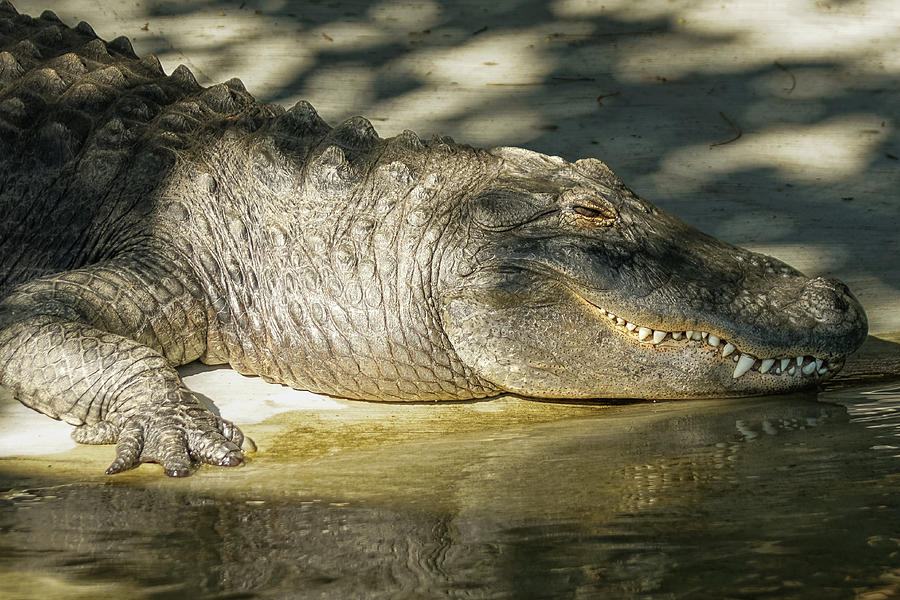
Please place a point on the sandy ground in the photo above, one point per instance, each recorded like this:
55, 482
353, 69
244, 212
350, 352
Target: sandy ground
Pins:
772, 125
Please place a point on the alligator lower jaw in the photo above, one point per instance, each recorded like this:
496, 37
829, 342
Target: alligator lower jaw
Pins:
792, 366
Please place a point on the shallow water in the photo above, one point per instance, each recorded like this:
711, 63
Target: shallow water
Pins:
784, 497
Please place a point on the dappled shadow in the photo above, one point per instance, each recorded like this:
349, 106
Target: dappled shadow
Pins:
812, 178
806, 162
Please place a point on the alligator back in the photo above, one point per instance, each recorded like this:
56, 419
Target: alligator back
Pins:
88, 132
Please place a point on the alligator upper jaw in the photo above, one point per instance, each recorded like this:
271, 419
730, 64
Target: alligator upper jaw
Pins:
786, 364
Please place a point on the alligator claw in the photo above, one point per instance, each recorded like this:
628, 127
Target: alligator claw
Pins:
177, 437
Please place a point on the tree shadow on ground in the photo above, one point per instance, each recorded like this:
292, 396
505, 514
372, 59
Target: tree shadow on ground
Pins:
810, 178
792, 153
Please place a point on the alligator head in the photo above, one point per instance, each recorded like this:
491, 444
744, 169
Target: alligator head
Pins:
575, 287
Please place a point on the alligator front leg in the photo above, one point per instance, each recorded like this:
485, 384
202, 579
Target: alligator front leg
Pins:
96, 347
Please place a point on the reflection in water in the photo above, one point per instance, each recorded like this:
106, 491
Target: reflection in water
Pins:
782, 498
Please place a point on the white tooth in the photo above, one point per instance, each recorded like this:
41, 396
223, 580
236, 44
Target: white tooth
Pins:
799, 361
703, 334
728, 349
658, 336
611, 316
766, 365
792, 370
688, 334
712, 340
819, 363
697, 336
630, 326
784, 363
743, 365
809, 368
676, 335
736, 357
644, 333
619, 320
822, 371
602, 311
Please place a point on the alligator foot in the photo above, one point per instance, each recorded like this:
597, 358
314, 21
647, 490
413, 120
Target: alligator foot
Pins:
178, 437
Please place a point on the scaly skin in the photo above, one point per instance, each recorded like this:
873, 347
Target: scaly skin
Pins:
146, 222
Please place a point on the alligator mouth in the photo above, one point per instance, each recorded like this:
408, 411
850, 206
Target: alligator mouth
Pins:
804, 366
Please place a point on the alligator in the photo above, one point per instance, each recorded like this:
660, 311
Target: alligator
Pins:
147, 221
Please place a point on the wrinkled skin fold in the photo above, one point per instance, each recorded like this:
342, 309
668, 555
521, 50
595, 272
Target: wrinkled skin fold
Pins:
147, 221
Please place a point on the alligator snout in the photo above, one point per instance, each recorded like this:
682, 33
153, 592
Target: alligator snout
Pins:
827, 316
827, 300
832, 316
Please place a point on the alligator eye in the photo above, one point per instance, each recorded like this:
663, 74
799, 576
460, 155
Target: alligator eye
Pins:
591, 212
509, 270
584, 211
